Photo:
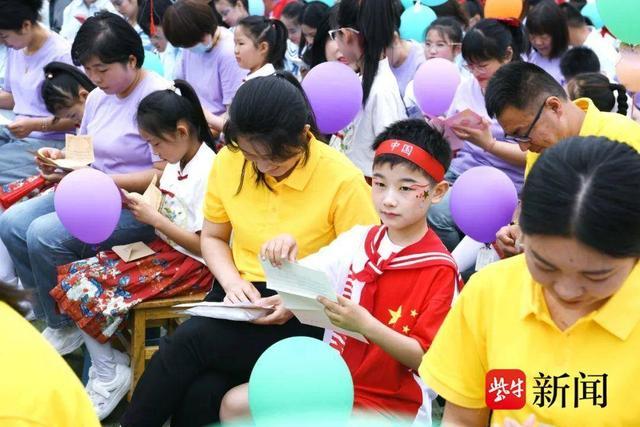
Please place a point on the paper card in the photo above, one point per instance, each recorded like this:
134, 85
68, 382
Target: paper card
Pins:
133, 251
4, 121
298, 280
152, 195
222, 310
78, 153
454, 142
465, 118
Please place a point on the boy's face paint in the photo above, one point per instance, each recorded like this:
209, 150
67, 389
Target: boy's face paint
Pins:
401, 197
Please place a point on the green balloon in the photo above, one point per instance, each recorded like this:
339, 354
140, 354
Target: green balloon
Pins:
152, 63
620, 17
325, 419
298, 376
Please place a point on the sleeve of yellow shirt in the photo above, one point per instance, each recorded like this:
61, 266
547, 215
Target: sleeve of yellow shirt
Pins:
214, 210
353, 205
455, 365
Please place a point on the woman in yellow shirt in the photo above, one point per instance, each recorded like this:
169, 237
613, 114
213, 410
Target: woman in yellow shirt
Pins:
273, 177
554, 333
37, 387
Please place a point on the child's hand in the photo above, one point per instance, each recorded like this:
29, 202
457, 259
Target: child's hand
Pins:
21, 128
346, 314
141, 210
280, 314
48, 172
481, 137
282, 247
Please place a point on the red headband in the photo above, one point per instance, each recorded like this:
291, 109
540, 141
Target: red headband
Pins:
414, 154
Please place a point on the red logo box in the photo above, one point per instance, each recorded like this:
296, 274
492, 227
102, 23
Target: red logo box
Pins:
505, 389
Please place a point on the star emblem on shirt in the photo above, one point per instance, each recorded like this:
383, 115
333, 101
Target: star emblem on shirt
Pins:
395, 315
405, 329
414, 313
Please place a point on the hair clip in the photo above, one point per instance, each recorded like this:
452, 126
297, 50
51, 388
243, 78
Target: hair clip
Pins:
49, 76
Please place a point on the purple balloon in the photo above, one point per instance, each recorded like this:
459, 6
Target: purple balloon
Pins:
483, 200
335, 94
434, 85
88, 204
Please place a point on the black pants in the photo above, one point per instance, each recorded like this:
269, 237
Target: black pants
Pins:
204, 358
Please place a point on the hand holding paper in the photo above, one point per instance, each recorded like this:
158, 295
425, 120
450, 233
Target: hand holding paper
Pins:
346, 314
78, 153
299, 287
144, 207
471, 127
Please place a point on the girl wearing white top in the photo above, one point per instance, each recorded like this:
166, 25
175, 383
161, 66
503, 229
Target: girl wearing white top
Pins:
365, 30
443, 39
98, 292
260, 45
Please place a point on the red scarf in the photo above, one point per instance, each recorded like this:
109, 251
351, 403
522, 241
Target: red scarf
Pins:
354, 352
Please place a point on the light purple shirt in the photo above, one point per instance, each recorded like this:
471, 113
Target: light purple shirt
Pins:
24, 76
469, 95
551, 66
405, 72
111, 122
215, 75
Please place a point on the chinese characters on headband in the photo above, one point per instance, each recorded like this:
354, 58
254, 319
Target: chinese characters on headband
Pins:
507, 389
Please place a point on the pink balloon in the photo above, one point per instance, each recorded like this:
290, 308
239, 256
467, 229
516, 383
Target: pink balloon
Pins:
335, 94
628, 70
483, 200
88, 204
435, 84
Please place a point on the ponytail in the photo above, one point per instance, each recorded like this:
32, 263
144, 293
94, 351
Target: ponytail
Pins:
375, 20
61, 86
159, 112
597, 87
621, 99
271, 31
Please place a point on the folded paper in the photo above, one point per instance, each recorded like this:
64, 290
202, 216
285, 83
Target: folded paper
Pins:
132, 251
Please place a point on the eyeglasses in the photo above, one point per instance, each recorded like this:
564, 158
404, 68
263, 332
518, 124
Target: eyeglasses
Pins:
478, 68
333, 33
526, 139
440, 45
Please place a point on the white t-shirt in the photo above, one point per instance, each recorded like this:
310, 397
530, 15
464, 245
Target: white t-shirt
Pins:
605, 51
78, 11
383, 107
183, 194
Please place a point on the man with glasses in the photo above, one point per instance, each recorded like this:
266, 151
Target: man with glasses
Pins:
535, 111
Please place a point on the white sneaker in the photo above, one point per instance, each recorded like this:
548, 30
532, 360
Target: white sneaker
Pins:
64, 340
106, 396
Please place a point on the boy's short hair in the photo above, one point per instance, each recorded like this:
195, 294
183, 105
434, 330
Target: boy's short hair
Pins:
520, 85
417, 132
577, 61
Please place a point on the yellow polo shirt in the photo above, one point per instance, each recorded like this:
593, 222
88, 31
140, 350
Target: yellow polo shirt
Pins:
501, 321
319, 200
37, 387
597, 123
